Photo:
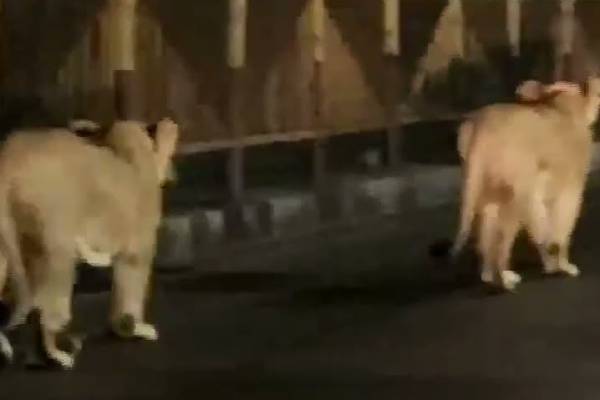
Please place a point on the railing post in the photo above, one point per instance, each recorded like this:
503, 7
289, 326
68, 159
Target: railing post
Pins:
564, 46
391, 52
236, 60
513, 26
122, 48
317, 23
513, 29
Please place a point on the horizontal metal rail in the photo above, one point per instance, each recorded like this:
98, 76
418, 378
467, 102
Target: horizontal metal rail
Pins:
297, 136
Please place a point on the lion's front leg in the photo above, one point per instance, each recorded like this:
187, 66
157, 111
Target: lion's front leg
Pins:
130, 289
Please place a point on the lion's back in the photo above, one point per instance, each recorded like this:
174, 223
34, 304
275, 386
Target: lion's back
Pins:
64, 176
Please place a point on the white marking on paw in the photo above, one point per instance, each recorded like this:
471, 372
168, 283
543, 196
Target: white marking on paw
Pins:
487, 274
510, 279
64, 359
6, 348
145, 331
570, 269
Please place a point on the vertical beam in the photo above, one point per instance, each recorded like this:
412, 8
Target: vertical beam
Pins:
3, 50
567, 29
391, 52
513, 29
236, 53
513, 26
124, 40
86, 64
105, 32
564, 45
122, 48
317, 25
154, 91
318, 29
391, 27
236, 60
457, 7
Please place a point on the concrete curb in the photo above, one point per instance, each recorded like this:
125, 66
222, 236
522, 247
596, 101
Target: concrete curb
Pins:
188, 236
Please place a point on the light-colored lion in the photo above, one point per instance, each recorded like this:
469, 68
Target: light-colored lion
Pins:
63, 198
525, 165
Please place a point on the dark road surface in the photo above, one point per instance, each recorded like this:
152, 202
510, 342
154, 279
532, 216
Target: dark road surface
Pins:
371, 334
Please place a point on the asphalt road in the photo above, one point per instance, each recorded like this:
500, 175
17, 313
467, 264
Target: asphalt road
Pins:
369, 318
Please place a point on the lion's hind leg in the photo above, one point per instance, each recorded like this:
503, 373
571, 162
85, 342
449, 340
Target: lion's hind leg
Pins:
52, 297
488, 230
6, 349
509, 227
537, 222
499, 225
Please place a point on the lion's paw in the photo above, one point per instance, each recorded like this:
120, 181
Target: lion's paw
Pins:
570, 269
510, 279
145, 331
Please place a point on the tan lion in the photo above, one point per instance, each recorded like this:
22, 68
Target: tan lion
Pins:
62, 196
525, 165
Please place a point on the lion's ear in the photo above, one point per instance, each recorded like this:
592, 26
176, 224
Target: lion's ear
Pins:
593, 86
564, 87
530, 90
85, 128
170, 173
167, 135
130, 141
592, 99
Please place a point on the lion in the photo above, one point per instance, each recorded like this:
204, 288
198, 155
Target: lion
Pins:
61, 196
525, 165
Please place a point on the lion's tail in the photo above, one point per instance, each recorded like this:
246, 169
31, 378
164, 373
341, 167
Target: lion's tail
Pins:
471, 186
471, 190
10, 249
